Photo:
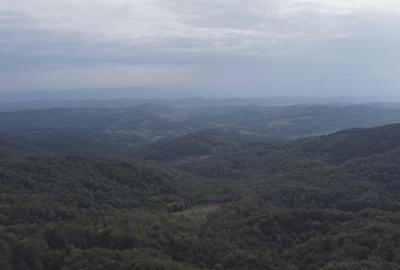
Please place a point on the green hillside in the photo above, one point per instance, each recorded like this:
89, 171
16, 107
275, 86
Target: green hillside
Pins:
329, 202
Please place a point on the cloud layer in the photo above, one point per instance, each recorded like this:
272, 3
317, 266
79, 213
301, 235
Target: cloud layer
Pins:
268, 47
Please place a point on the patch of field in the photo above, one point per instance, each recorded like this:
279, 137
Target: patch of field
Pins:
198, 212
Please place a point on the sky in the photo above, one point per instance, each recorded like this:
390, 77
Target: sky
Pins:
210, 48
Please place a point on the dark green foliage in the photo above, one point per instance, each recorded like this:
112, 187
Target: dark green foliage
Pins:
197, 146
88, 184
329, 203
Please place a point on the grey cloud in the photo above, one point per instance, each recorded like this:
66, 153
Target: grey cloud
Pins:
267, 47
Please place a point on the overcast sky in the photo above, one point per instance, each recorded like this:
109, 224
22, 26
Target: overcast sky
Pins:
236, 48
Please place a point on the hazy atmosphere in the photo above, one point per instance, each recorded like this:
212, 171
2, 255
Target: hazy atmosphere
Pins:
210, 48
199, 135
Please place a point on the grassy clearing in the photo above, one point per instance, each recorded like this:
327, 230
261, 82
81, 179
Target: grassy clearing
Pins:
198, 212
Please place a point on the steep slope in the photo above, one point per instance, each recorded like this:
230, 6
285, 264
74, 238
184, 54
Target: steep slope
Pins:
314, 208
89, 185
333, 149
352, 143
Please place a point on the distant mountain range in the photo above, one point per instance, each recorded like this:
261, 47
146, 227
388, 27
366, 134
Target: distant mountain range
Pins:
91, 102
124, 131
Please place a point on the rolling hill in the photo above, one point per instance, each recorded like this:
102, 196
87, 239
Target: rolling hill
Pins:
123, 132
326, 202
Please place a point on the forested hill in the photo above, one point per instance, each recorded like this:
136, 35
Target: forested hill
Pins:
52, 207
353, 143
330, 202
198, 145
90, 184
335, 149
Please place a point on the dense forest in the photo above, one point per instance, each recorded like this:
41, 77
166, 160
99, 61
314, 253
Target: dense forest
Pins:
156, 187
